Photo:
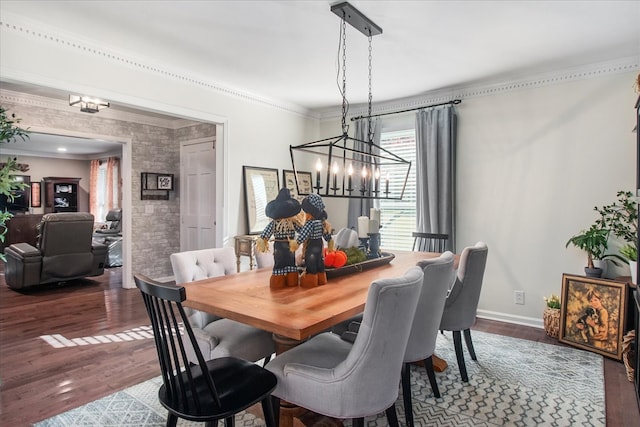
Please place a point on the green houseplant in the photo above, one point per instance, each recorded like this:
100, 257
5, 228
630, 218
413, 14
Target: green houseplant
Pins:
9, 132
621, 218
594, 241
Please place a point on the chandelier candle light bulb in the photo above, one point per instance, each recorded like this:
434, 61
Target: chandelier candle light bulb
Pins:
350, 172
364, 180
318, 169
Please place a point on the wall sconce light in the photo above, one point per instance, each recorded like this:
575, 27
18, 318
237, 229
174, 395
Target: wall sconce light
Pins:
35, 195
87, 104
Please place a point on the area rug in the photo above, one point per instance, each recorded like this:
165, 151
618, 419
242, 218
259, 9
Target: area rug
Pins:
515, 382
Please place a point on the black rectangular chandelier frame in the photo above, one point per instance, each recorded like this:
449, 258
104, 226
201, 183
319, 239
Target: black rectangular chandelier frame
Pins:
340, 152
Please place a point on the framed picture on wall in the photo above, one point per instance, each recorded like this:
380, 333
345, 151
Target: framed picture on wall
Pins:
592, 314
165, 182
261, 185
304, 184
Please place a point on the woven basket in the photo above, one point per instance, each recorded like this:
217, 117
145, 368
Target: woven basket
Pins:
551, 319
628, 353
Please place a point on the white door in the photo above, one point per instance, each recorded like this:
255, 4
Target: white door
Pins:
197, 194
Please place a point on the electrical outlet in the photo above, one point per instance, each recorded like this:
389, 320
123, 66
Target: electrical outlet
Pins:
518, 297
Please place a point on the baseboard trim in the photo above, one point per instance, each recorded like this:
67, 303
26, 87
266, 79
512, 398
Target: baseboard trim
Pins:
534, 322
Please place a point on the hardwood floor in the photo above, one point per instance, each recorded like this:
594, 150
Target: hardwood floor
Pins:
39, 381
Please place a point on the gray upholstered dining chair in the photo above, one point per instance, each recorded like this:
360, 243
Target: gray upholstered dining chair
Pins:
462, 302
218, 337
327, 375
438, 276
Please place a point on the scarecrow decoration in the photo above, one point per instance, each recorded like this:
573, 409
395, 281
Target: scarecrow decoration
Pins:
287, 218
315, 229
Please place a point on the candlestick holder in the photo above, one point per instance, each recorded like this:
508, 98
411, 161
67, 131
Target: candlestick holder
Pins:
374, 246
364, 244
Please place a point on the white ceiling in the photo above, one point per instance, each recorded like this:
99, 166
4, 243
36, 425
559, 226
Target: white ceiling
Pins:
288, 50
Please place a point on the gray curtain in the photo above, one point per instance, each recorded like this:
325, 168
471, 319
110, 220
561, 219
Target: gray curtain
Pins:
436, 131
361, 207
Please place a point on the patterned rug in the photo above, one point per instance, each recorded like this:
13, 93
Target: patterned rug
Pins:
514, 383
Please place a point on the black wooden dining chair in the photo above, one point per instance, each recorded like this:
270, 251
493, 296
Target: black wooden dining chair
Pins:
206, 391
429, 242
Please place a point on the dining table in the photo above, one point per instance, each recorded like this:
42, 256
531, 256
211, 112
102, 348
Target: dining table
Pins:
294, 314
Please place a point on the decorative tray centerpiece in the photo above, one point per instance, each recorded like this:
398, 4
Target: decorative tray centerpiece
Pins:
384, 258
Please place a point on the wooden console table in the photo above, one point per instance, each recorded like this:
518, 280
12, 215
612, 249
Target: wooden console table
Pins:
245, 245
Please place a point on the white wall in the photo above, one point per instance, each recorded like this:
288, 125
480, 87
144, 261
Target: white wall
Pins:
531, 166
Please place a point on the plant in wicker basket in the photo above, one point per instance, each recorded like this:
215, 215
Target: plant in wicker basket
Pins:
551, 316
628, 353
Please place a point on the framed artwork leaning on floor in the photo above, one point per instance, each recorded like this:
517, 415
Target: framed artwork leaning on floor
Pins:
592, 314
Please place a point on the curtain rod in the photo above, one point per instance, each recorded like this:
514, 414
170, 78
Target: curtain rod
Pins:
453, 102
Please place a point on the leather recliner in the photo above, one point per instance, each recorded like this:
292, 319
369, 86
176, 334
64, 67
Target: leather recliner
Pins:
112, 238
65, 251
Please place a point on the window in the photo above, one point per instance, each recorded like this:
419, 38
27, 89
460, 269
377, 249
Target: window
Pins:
103, 191
398, 217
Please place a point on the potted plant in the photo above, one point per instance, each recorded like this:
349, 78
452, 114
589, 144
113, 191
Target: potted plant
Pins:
551, 316
594, 241
621, 218
9, 131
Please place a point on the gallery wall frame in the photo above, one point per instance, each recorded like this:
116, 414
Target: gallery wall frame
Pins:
592, 314
261, 185
302, 188
155, 186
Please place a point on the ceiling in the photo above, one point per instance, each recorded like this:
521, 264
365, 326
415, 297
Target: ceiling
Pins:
288, 50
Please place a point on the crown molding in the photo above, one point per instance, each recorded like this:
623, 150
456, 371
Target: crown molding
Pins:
42, 33
30, 100
601, 69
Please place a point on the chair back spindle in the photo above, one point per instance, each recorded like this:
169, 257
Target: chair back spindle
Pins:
429, 242
196, 389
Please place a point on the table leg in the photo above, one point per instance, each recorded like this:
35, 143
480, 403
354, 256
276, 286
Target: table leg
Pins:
439, 365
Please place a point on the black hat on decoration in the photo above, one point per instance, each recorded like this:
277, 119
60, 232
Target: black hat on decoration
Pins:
314, 206
284, 206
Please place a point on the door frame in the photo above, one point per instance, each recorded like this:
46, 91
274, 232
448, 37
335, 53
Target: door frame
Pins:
125, 165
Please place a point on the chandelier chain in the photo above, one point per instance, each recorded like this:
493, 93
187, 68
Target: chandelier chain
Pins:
344, 76
370, 130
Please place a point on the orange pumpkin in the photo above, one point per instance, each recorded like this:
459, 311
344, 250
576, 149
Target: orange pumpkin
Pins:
329, 259
340, 259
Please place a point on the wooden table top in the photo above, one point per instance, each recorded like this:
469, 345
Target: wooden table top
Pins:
296, 313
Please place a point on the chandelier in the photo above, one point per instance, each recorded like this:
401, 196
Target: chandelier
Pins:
345, 166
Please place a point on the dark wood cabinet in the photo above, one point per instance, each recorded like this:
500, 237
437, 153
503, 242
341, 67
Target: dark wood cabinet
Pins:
22, 228
60, 194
